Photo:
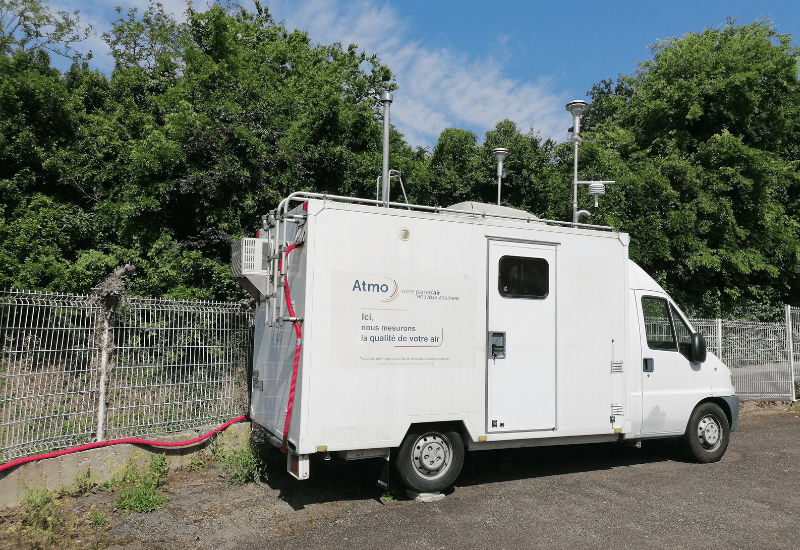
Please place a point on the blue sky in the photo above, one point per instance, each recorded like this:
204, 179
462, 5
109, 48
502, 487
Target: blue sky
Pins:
469, 64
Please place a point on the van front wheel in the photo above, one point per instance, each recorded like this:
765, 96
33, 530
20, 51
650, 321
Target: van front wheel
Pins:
708, 433
430, 460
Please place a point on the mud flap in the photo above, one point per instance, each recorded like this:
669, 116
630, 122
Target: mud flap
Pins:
383, 480
297, 465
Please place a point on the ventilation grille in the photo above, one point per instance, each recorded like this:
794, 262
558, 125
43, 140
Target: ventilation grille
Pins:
617, 410
616, 366
250, 257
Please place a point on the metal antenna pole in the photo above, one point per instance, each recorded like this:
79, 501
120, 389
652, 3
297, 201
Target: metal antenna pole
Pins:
499, 185
575, 139
576, 108
386, 99
500, 153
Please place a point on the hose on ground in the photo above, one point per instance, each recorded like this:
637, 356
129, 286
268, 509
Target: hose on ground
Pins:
134, 441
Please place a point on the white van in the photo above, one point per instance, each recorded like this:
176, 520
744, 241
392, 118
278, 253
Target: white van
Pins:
433, 331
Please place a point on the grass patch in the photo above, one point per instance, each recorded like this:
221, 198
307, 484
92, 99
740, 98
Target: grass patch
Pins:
393, 494
40, 522
245, 464
84, 484
97, 518
47, 520
53, 520
138, 490
196, 463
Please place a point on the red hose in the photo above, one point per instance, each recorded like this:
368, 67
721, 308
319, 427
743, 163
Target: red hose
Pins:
290, 404
26, 459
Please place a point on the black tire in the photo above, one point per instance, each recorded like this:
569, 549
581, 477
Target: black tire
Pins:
708, 433
430, 459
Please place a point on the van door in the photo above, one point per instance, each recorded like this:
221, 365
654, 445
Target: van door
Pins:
672, 384
521, 344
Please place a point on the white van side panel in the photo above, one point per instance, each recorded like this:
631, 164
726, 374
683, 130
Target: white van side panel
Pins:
358, 393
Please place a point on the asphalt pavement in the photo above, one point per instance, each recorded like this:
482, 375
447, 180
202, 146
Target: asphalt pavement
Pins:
595, 496
576, 496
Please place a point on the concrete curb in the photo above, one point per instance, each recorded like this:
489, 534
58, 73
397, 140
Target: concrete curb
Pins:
102, 463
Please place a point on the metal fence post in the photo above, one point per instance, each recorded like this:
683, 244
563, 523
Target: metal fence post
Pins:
790, 346
719, 339
103, 385
108, 294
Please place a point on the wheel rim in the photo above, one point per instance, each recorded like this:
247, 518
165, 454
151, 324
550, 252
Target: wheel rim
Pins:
431, 455
709, 431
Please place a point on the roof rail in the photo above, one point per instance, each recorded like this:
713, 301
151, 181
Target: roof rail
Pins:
299, 196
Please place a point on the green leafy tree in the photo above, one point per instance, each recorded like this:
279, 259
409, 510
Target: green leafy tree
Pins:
32, 26
148, 41
458, 169
181, 150
42, 229
707, 133
533, 181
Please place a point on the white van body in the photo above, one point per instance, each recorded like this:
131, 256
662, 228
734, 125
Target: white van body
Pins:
417, 317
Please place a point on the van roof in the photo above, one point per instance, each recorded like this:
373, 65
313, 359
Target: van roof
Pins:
484, 208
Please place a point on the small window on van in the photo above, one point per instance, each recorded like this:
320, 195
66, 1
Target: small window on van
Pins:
657, 324
520, 277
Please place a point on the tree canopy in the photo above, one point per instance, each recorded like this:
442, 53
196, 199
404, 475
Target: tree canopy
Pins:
707, 131
204, 125
31, 26
179, 151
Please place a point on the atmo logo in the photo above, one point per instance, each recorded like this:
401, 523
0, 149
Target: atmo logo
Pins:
389, 289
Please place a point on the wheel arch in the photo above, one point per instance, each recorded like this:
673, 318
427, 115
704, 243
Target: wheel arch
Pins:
443, 426
722, 404
457, 425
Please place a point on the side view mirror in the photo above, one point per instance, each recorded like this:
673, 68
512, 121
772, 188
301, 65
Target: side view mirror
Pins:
698, 347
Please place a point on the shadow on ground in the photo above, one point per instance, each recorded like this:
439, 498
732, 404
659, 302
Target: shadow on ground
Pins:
339, 480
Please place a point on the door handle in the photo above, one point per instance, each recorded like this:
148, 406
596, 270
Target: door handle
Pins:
649, 365
497, 345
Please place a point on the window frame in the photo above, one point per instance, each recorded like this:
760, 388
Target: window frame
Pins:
668, 309
532, 259
685, 348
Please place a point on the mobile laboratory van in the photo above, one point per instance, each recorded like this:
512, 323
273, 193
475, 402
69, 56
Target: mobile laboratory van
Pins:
385, 327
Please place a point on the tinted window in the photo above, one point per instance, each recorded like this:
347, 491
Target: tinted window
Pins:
520, 277
657, 324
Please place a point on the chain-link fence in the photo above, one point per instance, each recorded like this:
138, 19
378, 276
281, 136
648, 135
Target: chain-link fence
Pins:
74, 371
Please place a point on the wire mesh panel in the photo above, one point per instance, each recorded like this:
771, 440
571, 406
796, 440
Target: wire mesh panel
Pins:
709, 328
178, 365
757, 354
794, 327
47, 375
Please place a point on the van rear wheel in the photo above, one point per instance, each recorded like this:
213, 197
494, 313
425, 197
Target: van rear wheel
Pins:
430, 459
707, 433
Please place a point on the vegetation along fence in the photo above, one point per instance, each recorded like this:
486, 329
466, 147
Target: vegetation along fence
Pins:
76, 369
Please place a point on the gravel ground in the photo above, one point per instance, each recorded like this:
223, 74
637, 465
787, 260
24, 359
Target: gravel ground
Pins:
587, 496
